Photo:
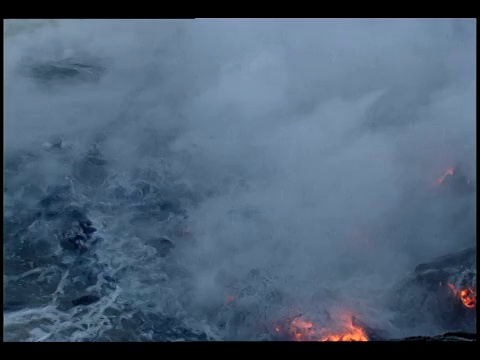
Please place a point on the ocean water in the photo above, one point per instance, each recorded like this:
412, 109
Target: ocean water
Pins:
208, 180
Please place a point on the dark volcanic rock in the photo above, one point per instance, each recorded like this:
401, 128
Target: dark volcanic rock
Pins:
77, 230
86, 300
67, 70
429, 295
445, 337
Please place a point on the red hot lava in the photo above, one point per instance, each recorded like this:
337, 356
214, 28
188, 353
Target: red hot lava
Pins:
468, 296
441, 179
353, 333
302, 330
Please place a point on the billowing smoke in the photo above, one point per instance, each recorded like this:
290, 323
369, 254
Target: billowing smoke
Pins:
299, 158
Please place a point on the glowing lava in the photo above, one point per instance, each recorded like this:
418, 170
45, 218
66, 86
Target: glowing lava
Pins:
353, 333
441, 179
467, 295
302, 330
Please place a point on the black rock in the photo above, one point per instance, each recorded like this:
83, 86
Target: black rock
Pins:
450, 262
167, 206
85, 300
89, 230
454, 336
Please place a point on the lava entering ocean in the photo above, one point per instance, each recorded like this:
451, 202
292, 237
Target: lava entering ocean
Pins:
468, 296
301, 330
353, 333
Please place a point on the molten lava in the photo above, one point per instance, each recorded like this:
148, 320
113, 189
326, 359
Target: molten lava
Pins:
441, 179
302, 330
468, 296
353, 333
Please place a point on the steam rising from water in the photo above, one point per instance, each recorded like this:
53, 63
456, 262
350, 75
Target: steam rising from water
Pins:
304, 153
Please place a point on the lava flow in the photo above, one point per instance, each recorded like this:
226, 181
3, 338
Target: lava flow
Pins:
441, 179
302, 330
353, 333
467, 295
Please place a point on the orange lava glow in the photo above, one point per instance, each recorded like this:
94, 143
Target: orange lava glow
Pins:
468, 296
441, 179
352, 334
302, 330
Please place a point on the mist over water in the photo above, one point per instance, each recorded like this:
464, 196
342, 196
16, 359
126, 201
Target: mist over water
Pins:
294, 162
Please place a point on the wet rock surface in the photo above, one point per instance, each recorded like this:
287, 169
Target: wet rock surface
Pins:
69, 264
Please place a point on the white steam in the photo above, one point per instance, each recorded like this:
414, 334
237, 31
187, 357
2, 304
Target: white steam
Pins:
301, 140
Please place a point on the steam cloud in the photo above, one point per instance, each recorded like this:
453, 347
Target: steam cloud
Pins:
305, 148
